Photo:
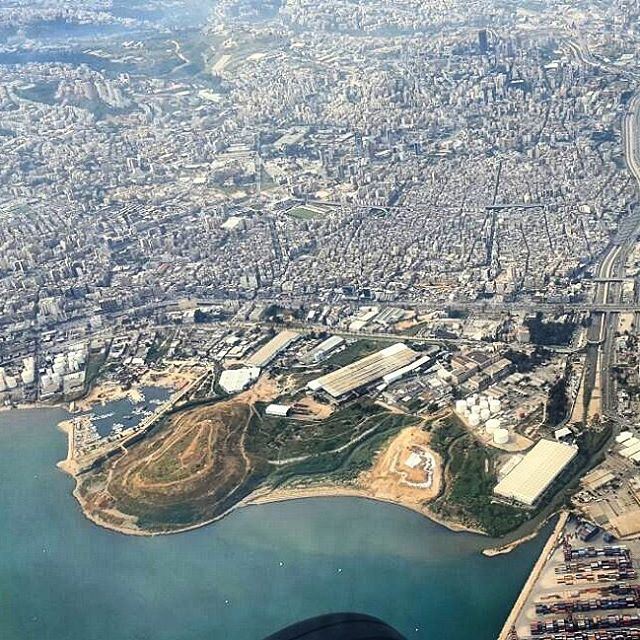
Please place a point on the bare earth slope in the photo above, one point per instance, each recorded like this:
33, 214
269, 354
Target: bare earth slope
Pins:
192, 469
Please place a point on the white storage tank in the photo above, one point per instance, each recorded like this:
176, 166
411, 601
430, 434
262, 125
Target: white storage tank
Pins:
474, 419
492, 425
484, 403
485, 414
471, 400
495, 406
59, 367
461, 406
501, 436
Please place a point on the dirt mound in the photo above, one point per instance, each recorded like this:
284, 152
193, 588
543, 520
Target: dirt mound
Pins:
192, 469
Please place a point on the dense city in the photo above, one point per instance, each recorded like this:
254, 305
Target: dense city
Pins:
273, 249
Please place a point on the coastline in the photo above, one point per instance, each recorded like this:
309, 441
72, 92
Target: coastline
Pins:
367, 487
264, 495
548, 548
267, 496
24, 406
510, 546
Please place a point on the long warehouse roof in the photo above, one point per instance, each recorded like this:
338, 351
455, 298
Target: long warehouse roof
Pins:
538, 469
270, 350
630, 451
365, 371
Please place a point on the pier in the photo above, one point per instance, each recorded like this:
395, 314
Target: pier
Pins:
507, 632
76, 464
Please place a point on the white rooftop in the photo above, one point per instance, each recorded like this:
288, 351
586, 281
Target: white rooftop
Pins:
538, 469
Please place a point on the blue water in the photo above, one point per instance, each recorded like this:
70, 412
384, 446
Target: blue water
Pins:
63, 578
124, 407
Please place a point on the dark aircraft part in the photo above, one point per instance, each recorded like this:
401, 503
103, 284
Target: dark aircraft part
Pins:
339, 626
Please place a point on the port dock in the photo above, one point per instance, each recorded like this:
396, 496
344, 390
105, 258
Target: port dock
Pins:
583, 587
83, 459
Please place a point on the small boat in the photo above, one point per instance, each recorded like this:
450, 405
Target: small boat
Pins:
104, 416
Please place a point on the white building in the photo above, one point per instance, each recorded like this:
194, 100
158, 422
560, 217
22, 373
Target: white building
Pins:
236, 380
529, 479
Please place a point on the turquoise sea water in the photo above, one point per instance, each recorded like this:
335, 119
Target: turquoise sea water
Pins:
63, 578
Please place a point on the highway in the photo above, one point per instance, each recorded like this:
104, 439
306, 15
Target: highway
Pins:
600, 351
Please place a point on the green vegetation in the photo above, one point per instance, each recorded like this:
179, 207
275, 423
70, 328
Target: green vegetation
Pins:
558, 403
356, 350
470, 478
444, 433
468, 497
303, 213
417, 328
196, 452
94, 365
591, 444
345, 465
525, 363
273, 438
159, 348
215, 453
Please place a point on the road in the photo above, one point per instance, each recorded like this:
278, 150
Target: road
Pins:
106, 449
600, 352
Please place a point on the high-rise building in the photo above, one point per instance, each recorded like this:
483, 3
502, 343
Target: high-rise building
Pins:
483, 41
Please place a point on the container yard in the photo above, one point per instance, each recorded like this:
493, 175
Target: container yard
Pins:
585, 591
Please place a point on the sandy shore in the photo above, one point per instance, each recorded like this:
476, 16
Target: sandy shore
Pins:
507, 548
386, 481
66, 426
266, 496
256, 499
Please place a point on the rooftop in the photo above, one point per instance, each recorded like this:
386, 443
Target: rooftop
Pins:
537, 470
270, 350
365, 371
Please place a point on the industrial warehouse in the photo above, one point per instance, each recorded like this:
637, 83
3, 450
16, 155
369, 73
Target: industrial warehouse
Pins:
533, 475
357, 375
265, 354
324, 349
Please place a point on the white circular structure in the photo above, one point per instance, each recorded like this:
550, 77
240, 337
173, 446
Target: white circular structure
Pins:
485, 414
495, 406
471, 400
474, 419
492, 425
461, 406
501, 436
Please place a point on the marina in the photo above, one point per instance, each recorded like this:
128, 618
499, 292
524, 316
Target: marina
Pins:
106, 423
